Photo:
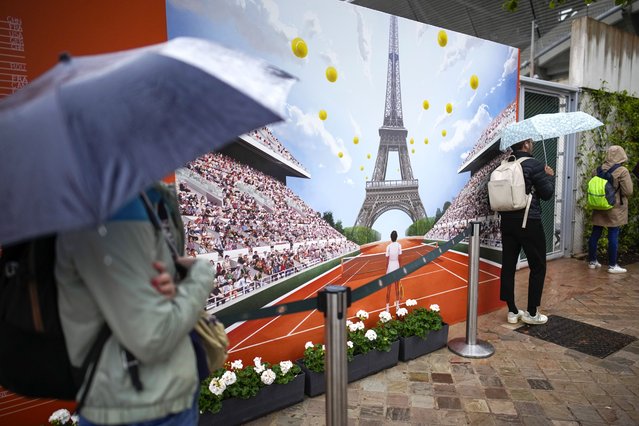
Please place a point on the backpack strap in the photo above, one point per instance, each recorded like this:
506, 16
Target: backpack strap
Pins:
90, 364
608, 176
530, 196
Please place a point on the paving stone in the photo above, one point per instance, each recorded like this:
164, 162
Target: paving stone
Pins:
442, 378
470, 391
372, 411
540, 384
585, 413
444, 389
475, 405
422, 401
522, 395
448, 403
398, 400
499, 406
525, 408
496, 393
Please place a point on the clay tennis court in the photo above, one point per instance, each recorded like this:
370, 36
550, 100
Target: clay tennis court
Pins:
443, 281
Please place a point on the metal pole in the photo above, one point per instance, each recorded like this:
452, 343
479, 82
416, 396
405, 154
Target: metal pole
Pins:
532, 50
334, 300
471, 347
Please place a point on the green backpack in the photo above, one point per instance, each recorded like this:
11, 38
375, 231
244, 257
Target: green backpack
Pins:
601, 190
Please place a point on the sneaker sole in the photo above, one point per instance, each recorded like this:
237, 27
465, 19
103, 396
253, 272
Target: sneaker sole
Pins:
617, 272
534, 322
510, 321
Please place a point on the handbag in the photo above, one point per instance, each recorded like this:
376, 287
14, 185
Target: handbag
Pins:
213, 340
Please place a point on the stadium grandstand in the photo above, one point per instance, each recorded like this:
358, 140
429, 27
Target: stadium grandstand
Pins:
250, 226
471, 204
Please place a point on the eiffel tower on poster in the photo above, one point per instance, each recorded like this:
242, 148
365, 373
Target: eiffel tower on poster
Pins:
384, 195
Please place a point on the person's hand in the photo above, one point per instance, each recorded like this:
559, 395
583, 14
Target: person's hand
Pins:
549, 171
186, 261
163, 282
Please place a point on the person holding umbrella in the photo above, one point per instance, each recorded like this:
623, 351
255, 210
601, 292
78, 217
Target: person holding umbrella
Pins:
540, 182
614, 218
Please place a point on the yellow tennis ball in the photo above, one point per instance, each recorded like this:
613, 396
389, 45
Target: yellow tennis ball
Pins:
299, 47
340, 154
449, 107
442, 38
412, 151
355, 140
368, 156
425, 104
322, 115
425, 141
331, 74
412, 141
474, 82
361, 168
366, 178
444, 133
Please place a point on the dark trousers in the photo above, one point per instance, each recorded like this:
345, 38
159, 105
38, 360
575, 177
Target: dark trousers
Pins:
533, 241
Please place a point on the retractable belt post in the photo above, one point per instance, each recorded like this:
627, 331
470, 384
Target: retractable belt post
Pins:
471, 347
334, 301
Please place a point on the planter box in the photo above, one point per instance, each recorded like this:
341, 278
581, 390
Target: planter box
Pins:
413, 347
236, 411
361, 366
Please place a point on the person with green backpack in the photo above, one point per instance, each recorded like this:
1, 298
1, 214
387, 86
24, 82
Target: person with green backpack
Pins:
615, 217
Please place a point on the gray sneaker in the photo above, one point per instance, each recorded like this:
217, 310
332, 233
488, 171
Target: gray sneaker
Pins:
594, 265
537, 319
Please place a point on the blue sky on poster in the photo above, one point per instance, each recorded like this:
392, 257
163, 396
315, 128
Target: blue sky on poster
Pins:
355, 41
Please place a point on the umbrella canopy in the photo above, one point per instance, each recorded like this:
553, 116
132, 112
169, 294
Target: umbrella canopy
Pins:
93, 131
545, 126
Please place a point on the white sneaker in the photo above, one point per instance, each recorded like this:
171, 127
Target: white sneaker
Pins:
537, 319
616, 269
514, 318
593, 265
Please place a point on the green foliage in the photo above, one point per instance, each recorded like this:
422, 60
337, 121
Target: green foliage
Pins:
620, 115
314, 355
513, 5
420, 227
419, 322
361, 234
328, 217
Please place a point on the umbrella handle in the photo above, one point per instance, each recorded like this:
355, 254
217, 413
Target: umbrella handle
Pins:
543, 145
157, 224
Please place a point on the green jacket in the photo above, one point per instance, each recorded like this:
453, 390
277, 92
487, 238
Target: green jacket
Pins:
104, 275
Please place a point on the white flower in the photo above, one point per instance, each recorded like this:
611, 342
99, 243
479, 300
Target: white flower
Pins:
349, 344
401, 312
286, 366
324, 347
371, 335
352, 327
385, 316
348, 323
308, 344
259, 367
411, 302
229, 378
75, 419
360, 326
217, 386
237, 365
434, 307
362, 314
268, 377
60, 416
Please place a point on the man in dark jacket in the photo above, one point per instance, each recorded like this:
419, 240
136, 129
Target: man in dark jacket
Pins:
539, 179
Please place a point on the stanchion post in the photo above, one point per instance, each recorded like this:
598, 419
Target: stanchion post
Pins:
334, 301
471, 347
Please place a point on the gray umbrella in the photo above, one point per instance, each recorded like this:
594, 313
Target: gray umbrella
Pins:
89, 134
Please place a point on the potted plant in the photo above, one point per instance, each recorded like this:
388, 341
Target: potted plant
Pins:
63, 417
236, 394
368, 351
420, 330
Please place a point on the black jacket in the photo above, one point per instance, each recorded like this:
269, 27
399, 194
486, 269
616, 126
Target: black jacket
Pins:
541, 184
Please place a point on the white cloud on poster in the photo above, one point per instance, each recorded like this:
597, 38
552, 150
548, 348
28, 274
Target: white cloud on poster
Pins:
312, 25
272, 38
364, 43
357, 130
459, 51
464, 155
466, 132
510, 65
349, 181
312, 126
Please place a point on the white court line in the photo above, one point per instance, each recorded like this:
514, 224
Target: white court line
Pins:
27, 408
462, 263
452, 273
279, 316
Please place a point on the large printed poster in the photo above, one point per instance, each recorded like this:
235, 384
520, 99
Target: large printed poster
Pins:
363, 77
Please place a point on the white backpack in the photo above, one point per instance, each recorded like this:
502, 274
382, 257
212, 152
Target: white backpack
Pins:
507, 188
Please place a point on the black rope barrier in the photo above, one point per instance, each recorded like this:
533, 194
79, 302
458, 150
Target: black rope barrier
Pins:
357, 294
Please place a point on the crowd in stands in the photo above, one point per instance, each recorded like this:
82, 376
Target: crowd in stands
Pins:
507, 116
241, 222
268, 139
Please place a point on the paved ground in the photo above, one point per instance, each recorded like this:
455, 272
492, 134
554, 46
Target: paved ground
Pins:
527, 381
